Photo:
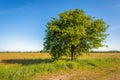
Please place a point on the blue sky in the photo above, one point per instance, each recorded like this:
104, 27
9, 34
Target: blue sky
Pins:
23, 22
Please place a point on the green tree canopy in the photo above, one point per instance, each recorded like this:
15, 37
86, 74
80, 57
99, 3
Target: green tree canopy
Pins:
74, 33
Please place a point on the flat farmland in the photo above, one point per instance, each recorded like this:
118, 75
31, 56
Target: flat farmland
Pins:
40, 66
46, 55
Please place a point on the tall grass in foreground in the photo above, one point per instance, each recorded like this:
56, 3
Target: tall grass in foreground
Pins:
28, 69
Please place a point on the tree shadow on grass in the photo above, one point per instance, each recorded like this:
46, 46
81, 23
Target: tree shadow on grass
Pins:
27, 61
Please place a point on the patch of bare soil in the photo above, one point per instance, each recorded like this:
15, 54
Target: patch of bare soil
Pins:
83, 75
62, 76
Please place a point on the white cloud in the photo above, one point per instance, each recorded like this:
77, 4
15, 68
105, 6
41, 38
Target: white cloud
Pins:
22, 8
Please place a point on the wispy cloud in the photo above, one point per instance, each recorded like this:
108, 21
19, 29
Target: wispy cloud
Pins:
18, 9
117, 6
114, 27
8, 11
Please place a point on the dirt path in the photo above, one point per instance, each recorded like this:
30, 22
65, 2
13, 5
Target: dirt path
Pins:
64, 76
83, 75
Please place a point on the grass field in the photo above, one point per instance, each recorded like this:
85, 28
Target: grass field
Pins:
39, 66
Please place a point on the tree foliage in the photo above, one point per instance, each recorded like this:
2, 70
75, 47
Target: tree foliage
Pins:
74, 33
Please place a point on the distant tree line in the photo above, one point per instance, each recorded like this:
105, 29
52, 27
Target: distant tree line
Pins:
43, 51
113, 51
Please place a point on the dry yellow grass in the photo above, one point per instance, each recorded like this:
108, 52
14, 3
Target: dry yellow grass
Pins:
20, 56
4, 56
100, 55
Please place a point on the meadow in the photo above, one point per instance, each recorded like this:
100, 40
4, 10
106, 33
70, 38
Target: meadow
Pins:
40, 66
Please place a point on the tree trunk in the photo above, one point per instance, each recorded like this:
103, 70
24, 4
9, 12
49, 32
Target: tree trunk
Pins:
72, 56
72, 52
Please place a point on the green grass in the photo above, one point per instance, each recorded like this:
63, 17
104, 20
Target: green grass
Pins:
27, 69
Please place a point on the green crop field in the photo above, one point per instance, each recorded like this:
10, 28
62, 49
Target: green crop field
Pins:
40, 66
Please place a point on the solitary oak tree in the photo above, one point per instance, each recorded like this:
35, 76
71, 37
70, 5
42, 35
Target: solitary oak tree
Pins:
74, 33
